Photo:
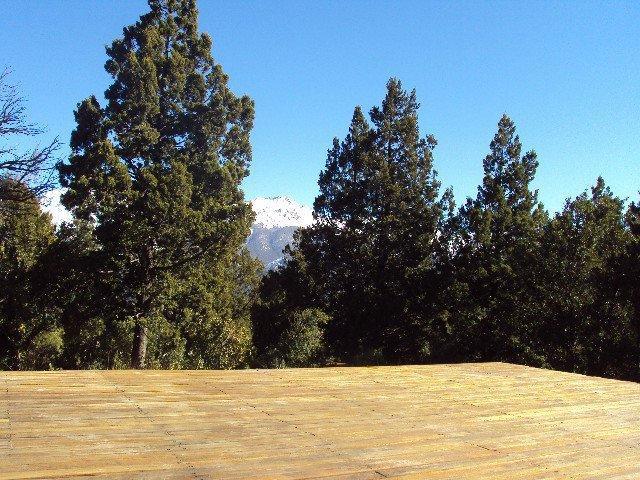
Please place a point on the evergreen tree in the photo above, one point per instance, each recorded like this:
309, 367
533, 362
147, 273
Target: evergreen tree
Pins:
364, 259
283, 291
157, 173
586, 307
632, 272
30, 336
78, 296
496, 244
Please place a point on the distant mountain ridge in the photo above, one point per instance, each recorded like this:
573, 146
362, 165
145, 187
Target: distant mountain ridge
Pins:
273, 212
276, 220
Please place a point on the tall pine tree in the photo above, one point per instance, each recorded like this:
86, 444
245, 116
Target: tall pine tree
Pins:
586, 307
497, 243
157, 172
376, 217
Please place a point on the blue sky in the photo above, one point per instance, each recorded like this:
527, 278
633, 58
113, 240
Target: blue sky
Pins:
568, 73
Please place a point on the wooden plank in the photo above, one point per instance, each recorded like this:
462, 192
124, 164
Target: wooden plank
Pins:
488, 420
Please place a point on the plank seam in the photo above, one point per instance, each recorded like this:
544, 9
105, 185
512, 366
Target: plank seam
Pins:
9, 435
162, 429
326, 444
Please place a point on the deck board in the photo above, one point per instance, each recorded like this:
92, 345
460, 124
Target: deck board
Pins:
489, 420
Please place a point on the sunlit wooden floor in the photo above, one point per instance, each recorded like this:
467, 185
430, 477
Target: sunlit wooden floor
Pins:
484, 421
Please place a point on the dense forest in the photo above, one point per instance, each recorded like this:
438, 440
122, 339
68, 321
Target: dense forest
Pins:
153, 271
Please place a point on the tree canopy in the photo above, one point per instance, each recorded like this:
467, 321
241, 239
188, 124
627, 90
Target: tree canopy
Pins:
156, 172
153, 270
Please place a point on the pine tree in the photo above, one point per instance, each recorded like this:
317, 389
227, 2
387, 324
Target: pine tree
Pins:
586, 307
157, 172
632, 272
497, 244
76, 294
30, 335
377, 214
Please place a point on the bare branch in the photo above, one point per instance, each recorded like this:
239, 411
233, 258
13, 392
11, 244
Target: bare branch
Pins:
35, 168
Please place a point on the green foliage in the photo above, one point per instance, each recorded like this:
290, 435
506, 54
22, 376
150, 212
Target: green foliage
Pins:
300, 340
495, 240
44, 351
376, 219
27, 330
154, 272
212, 311
404, 277
75, 294
155, 176
631, 275
585, 303
283, 294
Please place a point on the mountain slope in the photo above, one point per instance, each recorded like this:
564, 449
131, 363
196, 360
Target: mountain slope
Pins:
51, 204
276, 220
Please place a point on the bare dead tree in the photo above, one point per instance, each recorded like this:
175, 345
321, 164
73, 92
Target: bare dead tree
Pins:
36, 167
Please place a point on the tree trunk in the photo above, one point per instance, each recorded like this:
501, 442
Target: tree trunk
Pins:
139, 352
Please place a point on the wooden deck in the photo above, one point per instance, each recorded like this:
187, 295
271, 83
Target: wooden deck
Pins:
485, 421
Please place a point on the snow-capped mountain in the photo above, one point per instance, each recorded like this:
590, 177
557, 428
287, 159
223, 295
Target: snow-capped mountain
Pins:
51, 204
273, 212
276, 220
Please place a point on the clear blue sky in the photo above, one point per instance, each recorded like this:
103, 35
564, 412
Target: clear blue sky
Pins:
568, 73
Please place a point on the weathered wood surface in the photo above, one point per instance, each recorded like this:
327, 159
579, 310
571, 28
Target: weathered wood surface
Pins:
485, 421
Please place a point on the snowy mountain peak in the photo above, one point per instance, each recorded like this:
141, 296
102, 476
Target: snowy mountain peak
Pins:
272, 212
276, 220
51, 204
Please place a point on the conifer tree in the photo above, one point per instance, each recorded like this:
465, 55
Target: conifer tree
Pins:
372, 241
497, 244
157, 173
586, 308
75, 292
632, 271
30, 336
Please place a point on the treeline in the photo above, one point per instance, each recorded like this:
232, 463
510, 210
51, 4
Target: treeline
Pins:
391, 272
153, 271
